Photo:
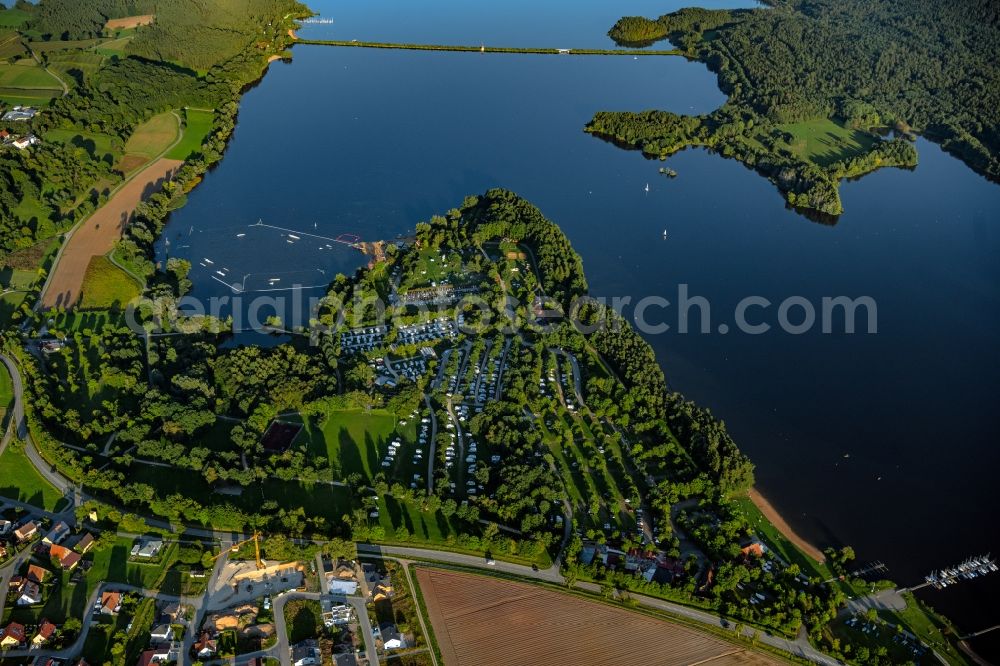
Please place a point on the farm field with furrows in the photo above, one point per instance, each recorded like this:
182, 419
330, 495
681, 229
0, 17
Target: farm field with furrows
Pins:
484, 621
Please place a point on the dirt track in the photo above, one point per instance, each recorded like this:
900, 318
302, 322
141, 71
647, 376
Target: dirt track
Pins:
97, 235
484, 621
772, 515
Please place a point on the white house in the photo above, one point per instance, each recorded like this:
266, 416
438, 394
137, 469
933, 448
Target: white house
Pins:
30, 594
147, 549
25, 141
338, 586
162, 633
391, 638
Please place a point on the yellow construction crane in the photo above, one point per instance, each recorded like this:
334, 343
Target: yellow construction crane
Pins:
256, 538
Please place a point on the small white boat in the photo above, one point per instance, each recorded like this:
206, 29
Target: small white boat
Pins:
293, 236
209, 261
664, 234
647, 187
240, 235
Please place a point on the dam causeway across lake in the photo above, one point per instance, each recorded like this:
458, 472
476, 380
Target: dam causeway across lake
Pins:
482, 48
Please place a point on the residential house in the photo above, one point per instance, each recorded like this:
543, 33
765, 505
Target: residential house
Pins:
58, 532
45, 631
155, 656
30, 594
306, 653
147, 549
85, 543
170, 613
3, 551
25, 532
111, 602
161, 633
336, 614
66, 558
15, 582
37, 573
5, 525
4, 135
753, 549
57, 552
338, 586
12, 636
25, 142
391, 638
81, 663
205, 647
70, 560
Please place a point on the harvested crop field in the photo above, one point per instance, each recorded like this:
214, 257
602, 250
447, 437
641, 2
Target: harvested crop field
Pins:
487, 621
129, 22
97, 235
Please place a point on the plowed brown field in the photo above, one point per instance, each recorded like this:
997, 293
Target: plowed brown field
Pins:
129, 22
483, 621
97, 234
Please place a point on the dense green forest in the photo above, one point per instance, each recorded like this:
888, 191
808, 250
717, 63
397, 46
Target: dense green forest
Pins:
192, 33
871, 66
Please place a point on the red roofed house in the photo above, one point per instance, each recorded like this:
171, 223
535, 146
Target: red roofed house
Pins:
45, 631
111, 602
37, 573
205, 647
12, 636
155, 656
66, 557
755, 548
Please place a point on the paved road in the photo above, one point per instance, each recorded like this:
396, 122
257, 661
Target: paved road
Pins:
361, 608
551, 575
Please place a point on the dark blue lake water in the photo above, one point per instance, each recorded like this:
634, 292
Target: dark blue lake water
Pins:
370, 142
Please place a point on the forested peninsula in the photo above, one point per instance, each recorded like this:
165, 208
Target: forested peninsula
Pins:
816, 88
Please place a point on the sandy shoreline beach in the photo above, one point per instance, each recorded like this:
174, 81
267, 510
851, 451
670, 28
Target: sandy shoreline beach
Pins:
772, 515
